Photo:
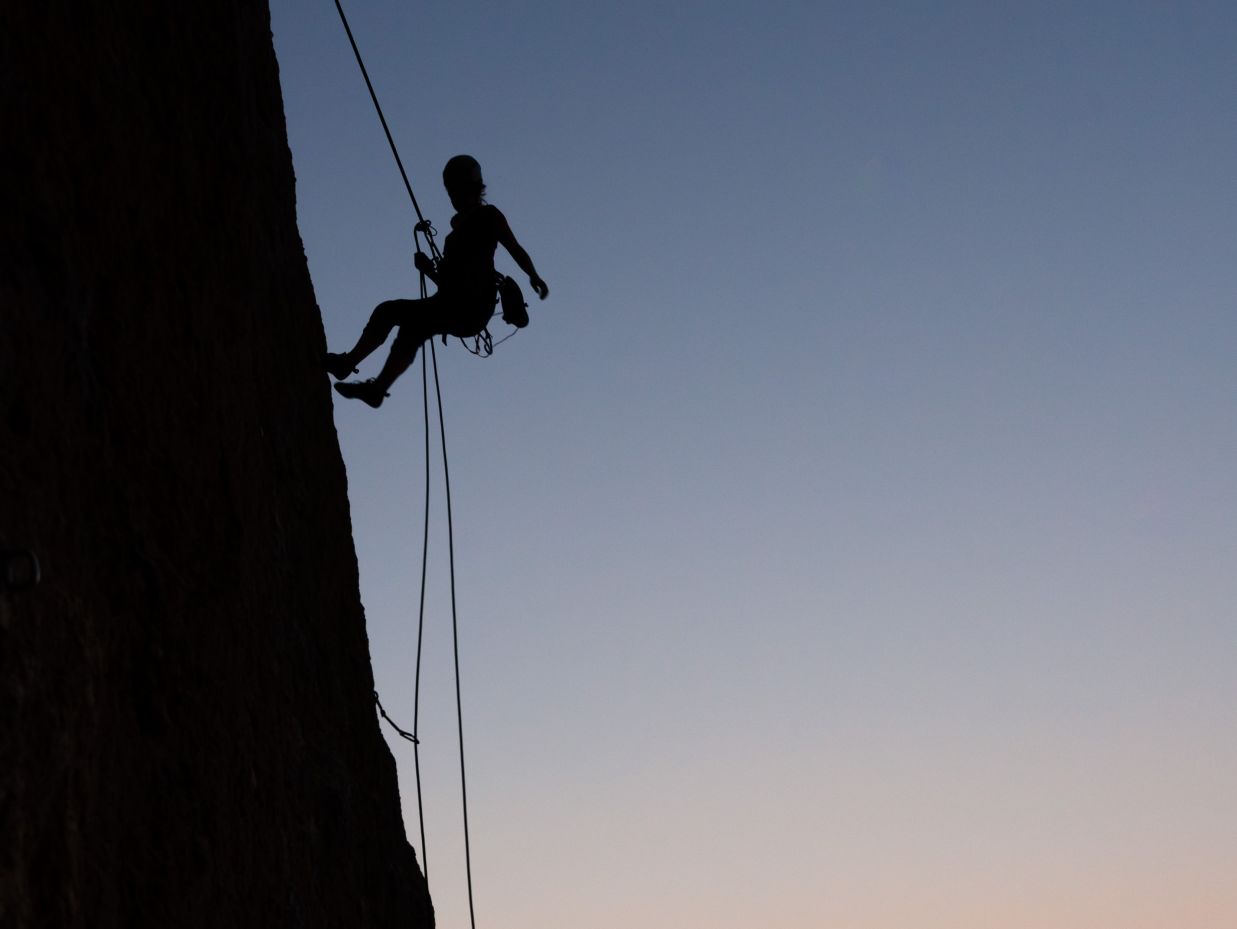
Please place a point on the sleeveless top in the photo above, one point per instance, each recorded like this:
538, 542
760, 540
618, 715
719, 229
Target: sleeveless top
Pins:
467, 268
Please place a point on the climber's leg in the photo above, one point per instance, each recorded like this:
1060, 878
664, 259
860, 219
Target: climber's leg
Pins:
386, 316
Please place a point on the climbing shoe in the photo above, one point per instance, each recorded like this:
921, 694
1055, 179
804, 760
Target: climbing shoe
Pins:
369, 391
338, 365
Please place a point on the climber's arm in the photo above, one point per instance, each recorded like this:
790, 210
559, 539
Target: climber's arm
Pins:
513, 247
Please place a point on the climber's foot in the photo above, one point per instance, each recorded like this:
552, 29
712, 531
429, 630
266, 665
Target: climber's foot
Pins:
338, 365
370, 391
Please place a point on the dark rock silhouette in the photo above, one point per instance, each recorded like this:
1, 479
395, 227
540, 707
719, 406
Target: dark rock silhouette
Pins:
187, 732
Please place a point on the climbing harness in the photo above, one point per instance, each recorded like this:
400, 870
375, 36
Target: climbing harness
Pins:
515, 313
482, 346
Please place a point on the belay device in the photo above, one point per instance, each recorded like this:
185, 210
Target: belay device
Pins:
515, 310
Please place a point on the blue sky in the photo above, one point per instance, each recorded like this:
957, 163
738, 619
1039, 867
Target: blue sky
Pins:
850, 538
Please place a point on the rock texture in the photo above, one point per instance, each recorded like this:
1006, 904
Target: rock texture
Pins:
187, 733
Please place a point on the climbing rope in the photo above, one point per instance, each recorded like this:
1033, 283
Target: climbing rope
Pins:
385, 128
455, 633
425, 547
423, 227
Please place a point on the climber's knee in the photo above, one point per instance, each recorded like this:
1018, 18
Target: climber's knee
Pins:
386, 315
407, 340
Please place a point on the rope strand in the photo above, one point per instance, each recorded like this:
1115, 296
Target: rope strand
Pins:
377, 106
455, 635
425, 547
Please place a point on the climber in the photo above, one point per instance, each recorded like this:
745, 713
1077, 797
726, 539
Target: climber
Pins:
465, 278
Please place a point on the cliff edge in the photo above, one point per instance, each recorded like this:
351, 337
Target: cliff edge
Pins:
187, 732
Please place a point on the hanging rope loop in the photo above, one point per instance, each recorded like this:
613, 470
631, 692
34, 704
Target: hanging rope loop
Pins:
404, 733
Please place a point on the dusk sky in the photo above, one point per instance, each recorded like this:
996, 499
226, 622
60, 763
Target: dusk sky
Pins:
851, 539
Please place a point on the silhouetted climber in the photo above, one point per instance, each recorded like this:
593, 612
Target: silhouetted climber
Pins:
466, 281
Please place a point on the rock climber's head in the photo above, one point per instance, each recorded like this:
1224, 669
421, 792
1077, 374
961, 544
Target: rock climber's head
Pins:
462, 178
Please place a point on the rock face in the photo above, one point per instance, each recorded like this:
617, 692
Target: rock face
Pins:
187, 731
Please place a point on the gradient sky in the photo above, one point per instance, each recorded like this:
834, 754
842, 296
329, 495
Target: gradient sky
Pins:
850, 540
